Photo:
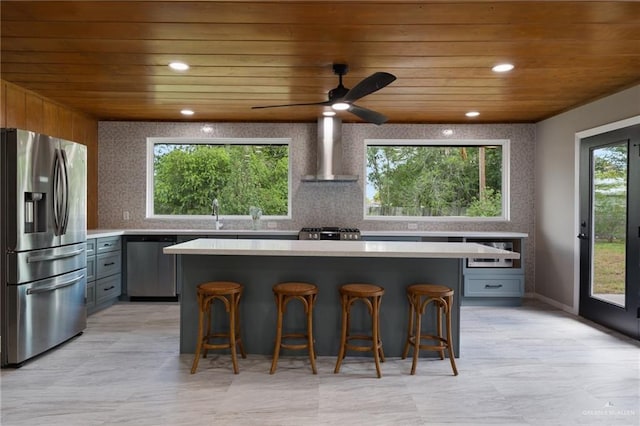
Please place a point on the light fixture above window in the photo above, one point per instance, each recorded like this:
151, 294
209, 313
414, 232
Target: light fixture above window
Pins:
186, 112
502, 67
472, 114
178, 66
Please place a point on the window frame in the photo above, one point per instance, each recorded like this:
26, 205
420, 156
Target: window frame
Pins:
152, 141
506, 182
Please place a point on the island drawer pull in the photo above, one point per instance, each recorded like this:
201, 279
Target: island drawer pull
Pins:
493, 286
110, 264
110, 288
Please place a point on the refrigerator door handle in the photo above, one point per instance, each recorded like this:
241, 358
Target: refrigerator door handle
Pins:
57, 214
64, 166
43, 258
55, 287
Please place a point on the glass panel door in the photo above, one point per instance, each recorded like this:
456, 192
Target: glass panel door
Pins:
609, 236
610, 229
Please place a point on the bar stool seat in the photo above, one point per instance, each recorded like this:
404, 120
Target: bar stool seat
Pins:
229, 294
420, 296
307, 294
371, 296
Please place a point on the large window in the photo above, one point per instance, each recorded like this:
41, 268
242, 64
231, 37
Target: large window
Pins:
185, 175
466, 180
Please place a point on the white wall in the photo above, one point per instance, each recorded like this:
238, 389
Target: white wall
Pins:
556, 224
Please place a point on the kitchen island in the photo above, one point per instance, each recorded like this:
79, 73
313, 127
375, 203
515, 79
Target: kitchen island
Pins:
259, 264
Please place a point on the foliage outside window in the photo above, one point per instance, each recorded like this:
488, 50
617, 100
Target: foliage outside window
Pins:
610, 192
188, 174
452, 179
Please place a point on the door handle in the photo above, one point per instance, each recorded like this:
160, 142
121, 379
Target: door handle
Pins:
583, 236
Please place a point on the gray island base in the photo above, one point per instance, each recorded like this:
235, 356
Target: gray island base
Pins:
259, 264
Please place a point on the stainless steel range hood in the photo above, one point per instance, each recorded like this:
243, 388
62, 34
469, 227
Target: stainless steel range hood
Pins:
329, 152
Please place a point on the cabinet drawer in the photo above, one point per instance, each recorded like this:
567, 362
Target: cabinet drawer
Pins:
91, 247
107, 288
108, 264
91, 268
494, 287
107, 244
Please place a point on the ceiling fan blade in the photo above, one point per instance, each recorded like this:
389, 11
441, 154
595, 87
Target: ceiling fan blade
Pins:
288, 105
367, 114
374, 82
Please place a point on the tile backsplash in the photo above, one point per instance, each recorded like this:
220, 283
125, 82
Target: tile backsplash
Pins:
122, 174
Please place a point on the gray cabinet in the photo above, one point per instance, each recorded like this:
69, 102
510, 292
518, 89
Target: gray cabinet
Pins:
104, 272
494, 286
91, 275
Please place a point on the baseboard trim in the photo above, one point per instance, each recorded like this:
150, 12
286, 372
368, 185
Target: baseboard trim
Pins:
554, 303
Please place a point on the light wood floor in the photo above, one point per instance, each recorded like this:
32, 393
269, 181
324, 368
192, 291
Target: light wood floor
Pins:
531, 365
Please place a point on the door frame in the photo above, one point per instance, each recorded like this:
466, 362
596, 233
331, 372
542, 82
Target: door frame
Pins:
628, 122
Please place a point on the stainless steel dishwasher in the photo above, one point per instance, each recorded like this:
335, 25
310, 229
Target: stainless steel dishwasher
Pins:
151, 274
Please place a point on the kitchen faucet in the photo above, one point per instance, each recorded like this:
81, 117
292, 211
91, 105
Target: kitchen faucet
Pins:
215, 206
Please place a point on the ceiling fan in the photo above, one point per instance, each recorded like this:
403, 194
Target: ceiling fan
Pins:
342, 99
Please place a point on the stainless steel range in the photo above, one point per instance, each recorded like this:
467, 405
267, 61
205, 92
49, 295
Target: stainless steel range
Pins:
329, 233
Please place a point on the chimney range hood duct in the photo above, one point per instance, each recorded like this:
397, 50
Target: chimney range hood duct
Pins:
329, 152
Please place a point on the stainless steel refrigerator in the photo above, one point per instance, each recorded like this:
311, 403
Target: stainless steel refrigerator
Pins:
43, 191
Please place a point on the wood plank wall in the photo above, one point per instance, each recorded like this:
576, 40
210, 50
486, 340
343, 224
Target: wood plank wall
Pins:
24, 109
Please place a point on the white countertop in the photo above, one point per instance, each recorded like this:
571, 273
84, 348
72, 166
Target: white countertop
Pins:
403, 249
99, 233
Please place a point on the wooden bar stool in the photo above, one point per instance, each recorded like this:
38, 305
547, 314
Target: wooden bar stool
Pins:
307, 294
229, 294
421, 295
371, 296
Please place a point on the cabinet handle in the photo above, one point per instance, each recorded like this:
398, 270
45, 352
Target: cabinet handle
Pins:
110, 264
110, 288
493, 286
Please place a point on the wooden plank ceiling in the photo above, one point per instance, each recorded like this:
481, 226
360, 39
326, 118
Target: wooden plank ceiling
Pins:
109, 58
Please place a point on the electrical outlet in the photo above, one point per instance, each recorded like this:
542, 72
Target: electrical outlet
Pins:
412, 226
272, 225
125, 215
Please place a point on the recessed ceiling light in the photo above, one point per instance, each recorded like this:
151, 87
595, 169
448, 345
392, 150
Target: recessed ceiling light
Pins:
502, 68
472, 114
186, 112
329, 113
178, 66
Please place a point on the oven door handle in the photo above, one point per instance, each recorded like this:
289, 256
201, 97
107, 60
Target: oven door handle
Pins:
54, 287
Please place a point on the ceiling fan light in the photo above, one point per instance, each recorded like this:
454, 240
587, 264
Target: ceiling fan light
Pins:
341, 106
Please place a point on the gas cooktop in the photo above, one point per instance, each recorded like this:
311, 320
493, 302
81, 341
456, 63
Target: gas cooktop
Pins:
329, 233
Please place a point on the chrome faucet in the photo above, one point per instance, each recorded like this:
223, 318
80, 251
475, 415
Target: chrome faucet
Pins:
215, 206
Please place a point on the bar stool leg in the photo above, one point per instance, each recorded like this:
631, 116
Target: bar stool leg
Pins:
452, 357
405, 352
343, 339
232, 333
196, 358
418, 332
312, 355
238, 337
276, 349
439, 323
375, 324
